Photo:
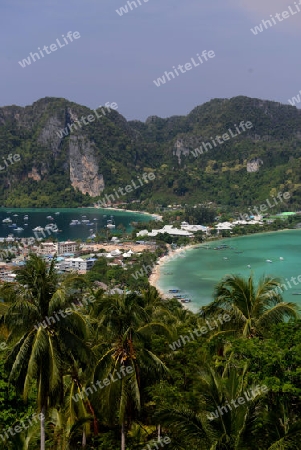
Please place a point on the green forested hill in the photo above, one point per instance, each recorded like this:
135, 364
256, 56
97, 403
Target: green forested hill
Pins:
110, 152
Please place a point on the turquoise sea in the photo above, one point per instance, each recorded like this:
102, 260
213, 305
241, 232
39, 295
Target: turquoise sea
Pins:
38, 217
197, 273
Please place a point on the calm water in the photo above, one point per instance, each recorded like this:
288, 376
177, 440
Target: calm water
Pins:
38, 217
202, 268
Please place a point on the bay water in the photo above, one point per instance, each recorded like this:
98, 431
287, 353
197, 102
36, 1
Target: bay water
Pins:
202, 268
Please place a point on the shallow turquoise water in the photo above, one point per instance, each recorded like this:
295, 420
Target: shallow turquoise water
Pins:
198, 273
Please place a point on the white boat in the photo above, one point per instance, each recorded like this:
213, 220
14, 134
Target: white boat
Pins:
269, 261
39, 229
19, 229
25, 217
110, 225
57, 213
7, 220
249, 267
49, 217
281, 259
16, 215
75, 222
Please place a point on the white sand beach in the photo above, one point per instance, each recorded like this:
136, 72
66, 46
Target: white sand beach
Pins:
173, 254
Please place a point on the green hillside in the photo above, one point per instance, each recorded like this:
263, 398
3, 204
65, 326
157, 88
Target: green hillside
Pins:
97, 158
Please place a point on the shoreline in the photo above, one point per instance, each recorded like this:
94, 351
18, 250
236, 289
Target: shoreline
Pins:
155, 216
156, 272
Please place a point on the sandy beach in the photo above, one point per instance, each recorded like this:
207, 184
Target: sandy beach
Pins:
173, 254
155, 216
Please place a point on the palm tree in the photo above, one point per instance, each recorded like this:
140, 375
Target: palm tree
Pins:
215, 424
253, 310
44, 346
128, 359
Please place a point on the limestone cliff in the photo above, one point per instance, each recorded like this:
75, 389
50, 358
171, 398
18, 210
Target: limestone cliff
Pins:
84, 167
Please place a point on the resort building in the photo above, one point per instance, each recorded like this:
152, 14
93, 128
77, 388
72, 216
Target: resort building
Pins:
166, 229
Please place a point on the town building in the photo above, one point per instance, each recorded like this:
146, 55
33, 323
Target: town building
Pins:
66, 247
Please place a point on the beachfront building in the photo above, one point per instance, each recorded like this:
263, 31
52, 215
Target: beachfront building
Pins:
194, 228
169, 229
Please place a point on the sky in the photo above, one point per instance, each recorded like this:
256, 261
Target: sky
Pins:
116, 58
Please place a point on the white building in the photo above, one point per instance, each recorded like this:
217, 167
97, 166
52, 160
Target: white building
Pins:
166, 229
77, 264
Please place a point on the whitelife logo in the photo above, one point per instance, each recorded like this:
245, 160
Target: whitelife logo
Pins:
64, 132
221, 139
285, 15
187, 66
15, 157
295, 100
146, 176
199, 332
53, 48
124, 9
124, 371
254, 392
263, 208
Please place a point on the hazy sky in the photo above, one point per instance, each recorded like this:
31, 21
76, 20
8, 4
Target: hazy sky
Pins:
117, 57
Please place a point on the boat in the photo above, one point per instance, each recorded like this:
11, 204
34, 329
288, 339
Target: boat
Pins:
249, 267
57, 213
19, 229
38, 229
49, 218
110, 224
268, 260
225, 257
75, 222
281, 259
25, 217
296, 293
7, 220
16, 215
174, 290
13, 225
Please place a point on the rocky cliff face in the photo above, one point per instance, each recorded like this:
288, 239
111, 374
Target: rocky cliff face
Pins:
254, 165
83, 166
